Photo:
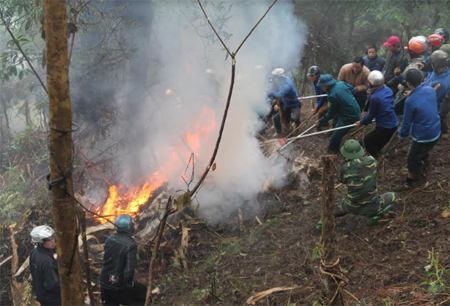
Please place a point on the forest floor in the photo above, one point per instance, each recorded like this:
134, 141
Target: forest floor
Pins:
385, 263
279, 246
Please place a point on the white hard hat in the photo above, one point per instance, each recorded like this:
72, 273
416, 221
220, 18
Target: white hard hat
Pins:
278, 72
41, 233
376, 78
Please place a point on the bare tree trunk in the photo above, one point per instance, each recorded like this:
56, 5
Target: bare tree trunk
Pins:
5, 115
27, 112
330, 267
64, 207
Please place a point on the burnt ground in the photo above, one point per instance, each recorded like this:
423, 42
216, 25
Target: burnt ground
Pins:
385, 263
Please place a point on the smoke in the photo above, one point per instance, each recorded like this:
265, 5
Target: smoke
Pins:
192, 74
187, 79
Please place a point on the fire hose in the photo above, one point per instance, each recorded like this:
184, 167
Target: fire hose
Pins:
302, 135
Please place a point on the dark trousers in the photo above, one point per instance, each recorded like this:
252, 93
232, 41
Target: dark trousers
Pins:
445, 108
399, 105
377, 139
393, 85
289, 114
128, 296
361, 98
336, 138
418, 155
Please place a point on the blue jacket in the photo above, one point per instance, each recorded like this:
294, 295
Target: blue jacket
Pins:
382, 109
376, 63
421, 118
442, 78
341, 102
286, 92
322, 100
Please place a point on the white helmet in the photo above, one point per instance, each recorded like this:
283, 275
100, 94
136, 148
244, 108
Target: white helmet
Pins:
41, 233
376, 78
278, 72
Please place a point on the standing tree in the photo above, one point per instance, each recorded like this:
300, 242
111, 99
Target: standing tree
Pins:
61, 159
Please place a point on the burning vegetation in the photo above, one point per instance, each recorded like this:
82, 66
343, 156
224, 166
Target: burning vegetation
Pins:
128, 200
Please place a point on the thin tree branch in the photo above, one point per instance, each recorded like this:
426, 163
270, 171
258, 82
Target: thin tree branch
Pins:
21, 50
72, 41
75, 20
251, 31
158, 236
214, 29
222, 126
230, 93
83, 6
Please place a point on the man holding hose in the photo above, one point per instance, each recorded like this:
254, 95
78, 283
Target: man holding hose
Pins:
382, 110
342, 103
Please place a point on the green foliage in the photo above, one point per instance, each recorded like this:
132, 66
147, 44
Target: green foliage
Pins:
13, 198
388, 301
316, 253
21, 142
22, 18
436, 274
200, 294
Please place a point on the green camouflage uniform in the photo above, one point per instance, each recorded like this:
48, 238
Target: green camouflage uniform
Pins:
360, 176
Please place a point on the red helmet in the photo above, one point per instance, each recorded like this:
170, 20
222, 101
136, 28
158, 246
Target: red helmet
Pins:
435, 40
415, 46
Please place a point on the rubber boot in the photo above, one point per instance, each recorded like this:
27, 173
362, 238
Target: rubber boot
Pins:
374, 219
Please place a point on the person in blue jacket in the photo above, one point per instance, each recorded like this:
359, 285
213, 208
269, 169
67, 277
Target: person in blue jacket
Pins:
314, 74
284, 90
440, 75
342, 103
382, 110
421, 120
372, 60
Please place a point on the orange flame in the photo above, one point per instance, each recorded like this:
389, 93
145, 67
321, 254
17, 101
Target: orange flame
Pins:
129, 201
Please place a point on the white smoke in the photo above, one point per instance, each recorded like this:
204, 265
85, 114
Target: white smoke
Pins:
192, 71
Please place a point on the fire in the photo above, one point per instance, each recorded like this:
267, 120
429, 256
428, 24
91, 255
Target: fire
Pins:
122, 200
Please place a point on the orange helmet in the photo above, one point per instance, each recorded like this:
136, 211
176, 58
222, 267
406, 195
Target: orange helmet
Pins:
415, 46
435, 40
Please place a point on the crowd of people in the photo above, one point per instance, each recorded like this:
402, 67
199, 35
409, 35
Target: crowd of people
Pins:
407, 93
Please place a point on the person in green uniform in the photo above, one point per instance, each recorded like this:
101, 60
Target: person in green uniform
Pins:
341, 103
359, 174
